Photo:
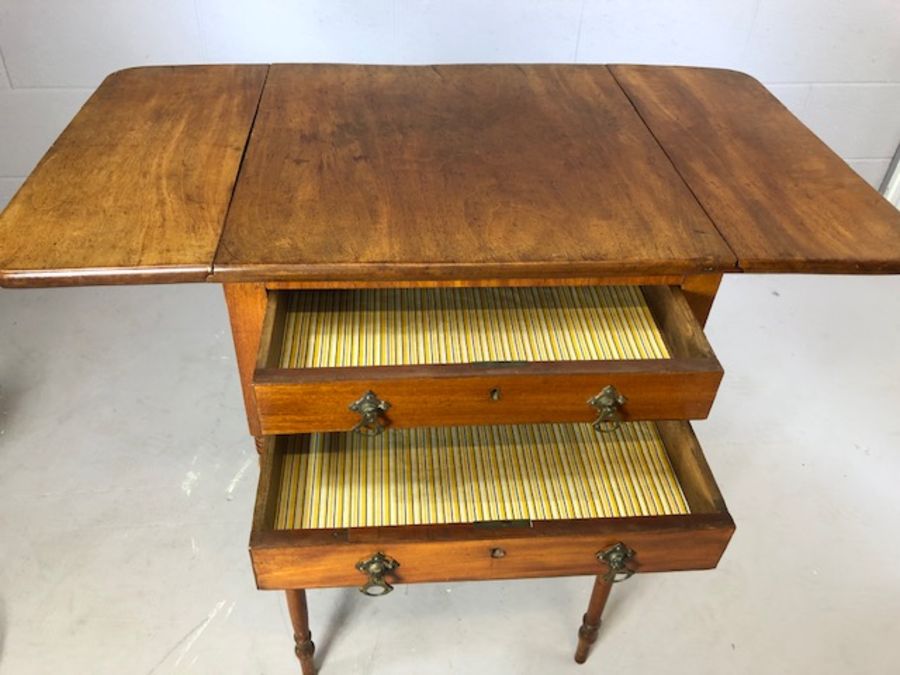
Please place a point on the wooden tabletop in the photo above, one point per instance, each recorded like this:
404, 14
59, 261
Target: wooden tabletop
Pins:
322, 172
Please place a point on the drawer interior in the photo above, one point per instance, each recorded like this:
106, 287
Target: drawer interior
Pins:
475, 474
357, 328
427, 326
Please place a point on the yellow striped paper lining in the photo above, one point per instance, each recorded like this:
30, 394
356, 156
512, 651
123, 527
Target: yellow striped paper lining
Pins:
386, 327
470, 474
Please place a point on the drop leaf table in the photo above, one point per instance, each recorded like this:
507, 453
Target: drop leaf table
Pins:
467, 301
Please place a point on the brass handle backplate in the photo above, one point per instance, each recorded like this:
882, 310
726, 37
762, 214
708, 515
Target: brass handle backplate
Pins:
608, 404
616, 558
371, 411
376, 568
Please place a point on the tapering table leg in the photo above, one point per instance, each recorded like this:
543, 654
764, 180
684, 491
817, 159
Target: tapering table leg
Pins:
303, 644
590, 623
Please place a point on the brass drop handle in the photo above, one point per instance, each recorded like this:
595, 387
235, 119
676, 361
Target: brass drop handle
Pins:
616, 558
376, 568
371, 411
608, 403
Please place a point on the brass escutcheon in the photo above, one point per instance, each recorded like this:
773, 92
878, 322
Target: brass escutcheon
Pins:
376, 568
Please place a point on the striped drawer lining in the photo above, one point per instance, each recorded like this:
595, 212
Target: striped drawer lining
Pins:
387, 327
469, 474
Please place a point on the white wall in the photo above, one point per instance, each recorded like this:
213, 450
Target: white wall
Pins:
835, 63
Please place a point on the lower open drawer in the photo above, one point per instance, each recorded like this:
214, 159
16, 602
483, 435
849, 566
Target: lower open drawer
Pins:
489, 502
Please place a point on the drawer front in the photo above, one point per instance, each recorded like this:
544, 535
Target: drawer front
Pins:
680, 384
449, 395
694, 536
669, 543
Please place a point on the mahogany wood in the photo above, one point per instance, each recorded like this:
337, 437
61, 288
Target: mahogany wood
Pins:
304, 647
512, 282
781, 198
457, 172
327, 557
136, 188
590, 622
700, 291
691, 468
673, 317
246, 311
664, 543
270, 467
445, 395
295, 400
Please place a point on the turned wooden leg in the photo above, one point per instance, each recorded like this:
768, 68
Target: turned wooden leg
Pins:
303, 644
590, 623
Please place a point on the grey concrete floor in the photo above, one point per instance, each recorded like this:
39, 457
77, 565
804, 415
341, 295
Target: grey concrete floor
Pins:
127, 480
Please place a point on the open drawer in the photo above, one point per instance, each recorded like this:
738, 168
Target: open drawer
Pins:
493, 502
462, 356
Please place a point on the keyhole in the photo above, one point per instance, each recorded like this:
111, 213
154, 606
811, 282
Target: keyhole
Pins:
495, 394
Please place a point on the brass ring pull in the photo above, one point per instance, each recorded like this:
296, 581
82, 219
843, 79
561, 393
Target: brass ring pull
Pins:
608, 404
375, 428
369, 587
621, 575
376, 568
607, 425
371, 411
616, 557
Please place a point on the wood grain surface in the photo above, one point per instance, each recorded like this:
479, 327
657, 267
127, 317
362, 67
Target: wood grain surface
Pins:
246, 313
304, 400
445, 174
294, 559
781, 198
135, 190
457, 172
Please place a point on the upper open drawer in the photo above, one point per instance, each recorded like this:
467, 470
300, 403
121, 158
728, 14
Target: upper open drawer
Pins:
442, 356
